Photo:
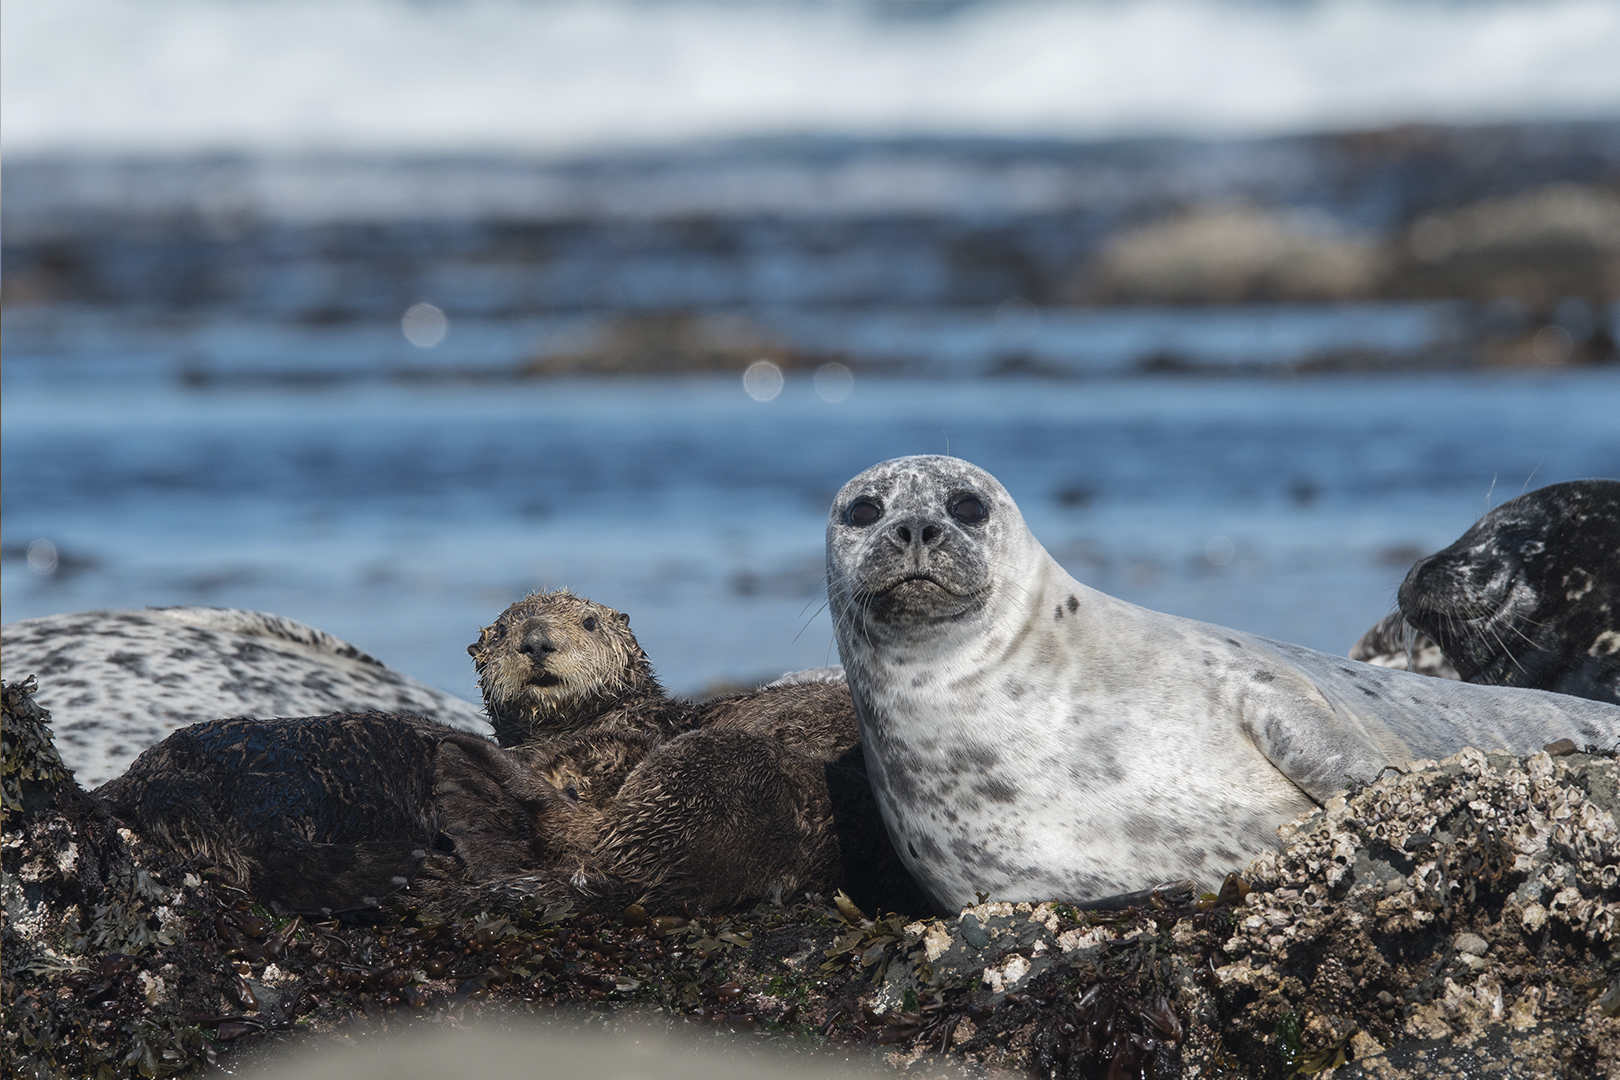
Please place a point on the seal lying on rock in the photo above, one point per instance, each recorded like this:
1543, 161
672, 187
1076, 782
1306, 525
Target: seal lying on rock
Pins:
1031, 738
764, 796
1392, 642
117, 682
1530, 594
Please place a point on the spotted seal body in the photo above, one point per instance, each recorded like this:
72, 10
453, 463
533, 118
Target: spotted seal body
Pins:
1530, 594
1031, 738
117, 682
1392, 642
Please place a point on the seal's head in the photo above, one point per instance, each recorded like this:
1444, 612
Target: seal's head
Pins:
916, 547
554, 662
1529, 596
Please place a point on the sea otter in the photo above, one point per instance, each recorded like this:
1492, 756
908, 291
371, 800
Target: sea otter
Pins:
614, 790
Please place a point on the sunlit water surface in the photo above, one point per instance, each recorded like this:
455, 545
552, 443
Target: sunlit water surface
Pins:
403, 518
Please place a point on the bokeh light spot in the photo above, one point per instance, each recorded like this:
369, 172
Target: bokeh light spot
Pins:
834, 382
42, 558
762, 380
1219, 550
424, 325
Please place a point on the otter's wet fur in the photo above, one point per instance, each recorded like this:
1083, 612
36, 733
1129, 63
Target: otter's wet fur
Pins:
334, 812
767, 797
555, 663
717, 804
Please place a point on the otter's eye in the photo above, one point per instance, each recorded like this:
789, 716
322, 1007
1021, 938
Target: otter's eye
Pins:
590, 622
862, 512
969, 510
572, 792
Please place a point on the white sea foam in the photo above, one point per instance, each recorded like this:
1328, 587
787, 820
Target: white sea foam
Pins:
555, 77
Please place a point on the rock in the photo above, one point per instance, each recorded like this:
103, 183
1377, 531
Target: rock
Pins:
1456, 919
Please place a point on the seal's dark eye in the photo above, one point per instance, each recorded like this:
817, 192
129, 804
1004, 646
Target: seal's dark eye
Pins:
969, 510
572, 792
590, 622
862, 512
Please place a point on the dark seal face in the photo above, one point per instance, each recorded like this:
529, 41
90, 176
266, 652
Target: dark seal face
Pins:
910, 546
1528, 596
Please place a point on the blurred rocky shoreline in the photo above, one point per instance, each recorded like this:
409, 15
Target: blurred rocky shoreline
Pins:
711, 257
1455, 920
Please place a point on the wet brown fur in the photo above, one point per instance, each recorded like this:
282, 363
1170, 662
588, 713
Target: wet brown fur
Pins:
653, 799
555, 663
334, 812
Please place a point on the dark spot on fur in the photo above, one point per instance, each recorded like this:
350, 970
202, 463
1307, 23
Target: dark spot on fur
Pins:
1073, 603
997, 791
1141, 828
1057, 614
1264, 676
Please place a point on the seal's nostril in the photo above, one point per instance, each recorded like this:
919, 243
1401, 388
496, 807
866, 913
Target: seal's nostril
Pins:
930, 533
903, 533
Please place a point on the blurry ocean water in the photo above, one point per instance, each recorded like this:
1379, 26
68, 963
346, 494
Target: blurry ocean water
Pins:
402, 517
223, 209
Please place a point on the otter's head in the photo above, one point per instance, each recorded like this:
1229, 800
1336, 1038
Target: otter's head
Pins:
1528, 596
554, 662
916, 546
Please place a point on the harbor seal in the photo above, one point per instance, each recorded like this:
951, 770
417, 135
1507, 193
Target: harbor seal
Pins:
1530, 594
1392, 642
117, 682
1031, 738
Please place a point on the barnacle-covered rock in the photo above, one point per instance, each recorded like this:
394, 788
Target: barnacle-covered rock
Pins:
1458, 918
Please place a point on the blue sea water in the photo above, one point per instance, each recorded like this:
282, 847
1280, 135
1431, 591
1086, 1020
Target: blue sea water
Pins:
402, 517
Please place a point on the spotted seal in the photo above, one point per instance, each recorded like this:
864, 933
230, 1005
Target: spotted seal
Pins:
1031, 738
116, 682
1530, 594
1392, 642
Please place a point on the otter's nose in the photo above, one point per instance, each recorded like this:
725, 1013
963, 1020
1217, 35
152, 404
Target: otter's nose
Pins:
536, 641
917, 532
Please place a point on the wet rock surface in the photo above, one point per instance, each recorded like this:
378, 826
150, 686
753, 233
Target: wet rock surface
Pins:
1458, 919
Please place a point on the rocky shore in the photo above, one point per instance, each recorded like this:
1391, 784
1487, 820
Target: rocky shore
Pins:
1455, 920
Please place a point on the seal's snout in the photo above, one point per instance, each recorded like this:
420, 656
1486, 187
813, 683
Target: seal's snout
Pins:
917, 533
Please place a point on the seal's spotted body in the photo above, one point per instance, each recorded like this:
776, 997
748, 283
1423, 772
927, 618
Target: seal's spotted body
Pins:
117, 682
1530, 594
1032, 738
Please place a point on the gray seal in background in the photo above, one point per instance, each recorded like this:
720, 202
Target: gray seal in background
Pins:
1034, 739
1530, 594
117, 682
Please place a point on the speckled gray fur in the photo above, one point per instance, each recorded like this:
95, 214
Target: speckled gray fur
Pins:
1530, 594
117, 682
1031, 738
